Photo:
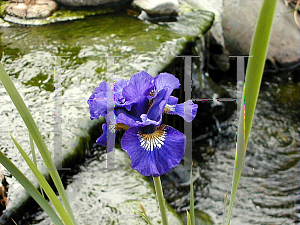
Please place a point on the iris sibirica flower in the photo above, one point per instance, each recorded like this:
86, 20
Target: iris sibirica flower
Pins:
137, 106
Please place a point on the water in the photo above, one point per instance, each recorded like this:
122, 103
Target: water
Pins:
268, 191
269, 187
26, 53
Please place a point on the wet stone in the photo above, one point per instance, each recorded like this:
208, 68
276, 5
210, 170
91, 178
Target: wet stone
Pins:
157, 7
33, 9
239, 20
77, 3
26, 58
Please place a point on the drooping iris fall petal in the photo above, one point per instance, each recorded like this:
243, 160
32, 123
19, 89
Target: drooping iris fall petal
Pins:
155, 153
137, 106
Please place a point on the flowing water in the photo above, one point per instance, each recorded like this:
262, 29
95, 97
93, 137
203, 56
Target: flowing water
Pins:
269, 187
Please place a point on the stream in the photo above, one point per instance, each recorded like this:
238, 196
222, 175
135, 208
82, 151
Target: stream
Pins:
269, 187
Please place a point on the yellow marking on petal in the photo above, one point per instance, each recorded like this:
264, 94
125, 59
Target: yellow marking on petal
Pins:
121, 126
115, 127
153, 140
152, 93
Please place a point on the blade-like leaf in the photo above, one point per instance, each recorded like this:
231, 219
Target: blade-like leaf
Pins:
254, 74
34, 158
44, 184
145, 214
225, 209
188, 218
32, 150
35, 194
192, 211
37, 137
146, 218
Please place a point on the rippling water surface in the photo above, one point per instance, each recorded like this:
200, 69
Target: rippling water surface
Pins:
269, 187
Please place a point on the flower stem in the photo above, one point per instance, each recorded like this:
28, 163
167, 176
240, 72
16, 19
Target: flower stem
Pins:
161, 200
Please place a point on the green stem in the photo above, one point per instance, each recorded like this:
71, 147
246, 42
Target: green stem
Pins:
161, 200
254, 73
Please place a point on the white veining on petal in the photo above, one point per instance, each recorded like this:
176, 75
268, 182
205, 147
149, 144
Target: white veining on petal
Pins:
154, 140
169, 108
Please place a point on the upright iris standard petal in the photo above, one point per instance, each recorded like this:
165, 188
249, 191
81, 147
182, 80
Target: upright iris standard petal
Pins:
155, 153
136, 106
157, 107
119, 85
166, 81
138, 87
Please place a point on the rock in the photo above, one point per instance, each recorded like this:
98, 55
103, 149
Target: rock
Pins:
155, 8
27, 51
239, 19
61, 15
32, 10
90, 2
16, 9
217, 51
43, 8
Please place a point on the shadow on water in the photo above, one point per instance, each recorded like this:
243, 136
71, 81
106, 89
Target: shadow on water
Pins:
269, 187
268, 190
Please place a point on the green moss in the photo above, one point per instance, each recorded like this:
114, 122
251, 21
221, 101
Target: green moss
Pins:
3, 5
64, 14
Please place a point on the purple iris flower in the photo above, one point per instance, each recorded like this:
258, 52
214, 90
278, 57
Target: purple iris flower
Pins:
137, 106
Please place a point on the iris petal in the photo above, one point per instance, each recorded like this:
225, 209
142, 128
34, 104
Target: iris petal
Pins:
132, 121
126, 119
154, 154
137, 89
119, 85
107, 139
98, 102
187, 110
166, 81
172, 100
156, 109
102, 140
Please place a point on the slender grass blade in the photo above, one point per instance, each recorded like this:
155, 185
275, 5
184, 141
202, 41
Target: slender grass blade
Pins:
42, 181
29, 188
37, 137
